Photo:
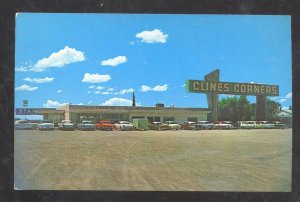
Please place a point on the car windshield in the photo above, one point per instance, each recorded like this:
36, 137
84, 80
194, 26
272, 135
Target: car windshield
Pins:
46, 121
87, 122
124, 122
171, 122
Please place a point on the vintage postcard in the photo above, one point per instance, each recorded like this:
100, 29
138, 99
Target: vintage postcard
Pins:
153, 102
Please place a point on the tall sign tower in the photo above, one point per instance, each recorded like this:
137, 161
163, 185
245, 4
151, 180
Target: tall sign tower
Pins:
212, 98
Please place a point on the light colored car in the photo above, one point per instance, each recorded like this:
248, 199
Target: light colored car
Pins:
279, 125
158, 126
124, 125
223, 125
204, 125
45, 125
265, 125
25, 124
173, 125
248, 124
66, 125
86, 125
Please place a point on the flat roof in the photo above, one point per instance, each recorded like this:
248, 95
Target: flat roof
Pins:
82, 107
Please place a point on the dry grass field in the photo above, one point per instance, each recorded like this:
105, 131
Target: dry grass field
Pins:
217, 160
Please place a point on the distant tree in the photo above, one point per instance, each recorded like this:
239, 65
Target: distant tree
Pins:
290, 107
238, 108
272, 108
235, 108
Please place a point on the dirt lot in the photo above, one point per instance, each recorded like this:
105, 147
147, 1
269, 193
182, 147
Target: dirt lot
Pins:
217, 160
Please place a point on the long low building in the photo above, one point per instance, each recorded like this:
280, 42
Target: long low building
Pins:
125, 113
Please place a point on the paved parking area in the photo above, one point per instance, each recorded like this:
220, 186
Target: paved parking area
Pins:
216, 160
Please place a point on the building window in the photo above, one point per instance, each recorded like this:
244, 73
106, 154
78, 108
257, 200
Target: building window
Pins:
194, 119
165, 118
153, 118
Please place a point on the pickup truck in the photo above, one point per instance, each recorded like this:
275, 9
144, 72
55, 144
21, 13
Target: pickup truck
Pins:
105, 125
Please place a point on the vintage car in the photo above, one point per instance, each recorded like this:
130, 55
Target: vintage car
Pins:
158, 126
279, 125
86, 125
173, 125
223, 125
204, 125
66, 125
124, 125
188, 125
265, 125
46, 125
248, 125
105, 125
25, 124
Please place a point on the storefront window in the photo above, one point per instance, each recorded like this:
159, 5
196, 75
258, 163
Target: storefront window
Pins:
194, 119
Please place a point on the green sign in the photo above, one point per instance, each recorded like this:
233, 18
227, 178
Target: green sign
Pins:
25, 103
198, 86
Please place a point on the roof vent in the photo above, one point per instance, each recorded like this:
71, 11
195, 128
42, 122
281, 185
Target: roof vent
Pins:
159, 105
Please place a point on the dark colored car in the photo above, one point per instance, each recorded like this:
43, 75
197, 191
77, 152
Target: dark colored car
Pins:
188, 125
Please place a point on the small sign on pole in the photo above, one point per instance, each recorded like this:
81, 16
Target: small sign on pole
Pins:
25, 103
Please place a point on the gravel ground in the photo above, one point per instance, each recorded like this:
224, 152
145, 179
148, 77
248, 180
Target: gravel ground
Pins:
216, 160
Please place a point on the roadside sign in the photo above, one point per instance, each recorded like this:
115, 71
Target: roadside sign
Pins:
25, 103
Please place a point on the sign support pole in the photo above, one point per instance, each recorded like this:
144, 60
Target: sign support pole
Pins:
212, 98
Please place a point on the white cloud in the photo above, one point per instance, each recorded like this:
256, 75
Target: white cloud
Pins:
97, 92
90, 91
53, 104
282, 100
160, 88
59, 91
95, 78
106, 93
117, 102
154, 36
110, 89
289, 95
285, 108
92, 86
183, 85
145, 88
80, 103
114, 61
27, 88
22, 69
59, 59
100, 87
90, 102
125, 91
39, 80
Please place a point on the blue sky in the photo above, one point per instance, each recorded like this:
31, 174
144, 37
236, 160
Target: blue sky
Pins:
100, 59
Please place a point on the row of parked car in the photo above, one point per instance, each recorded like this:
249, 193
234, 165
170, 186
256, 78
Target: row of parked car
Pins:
143, 124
